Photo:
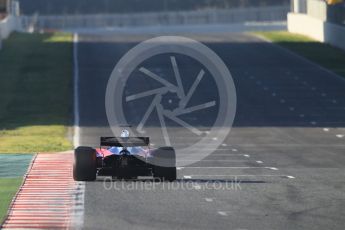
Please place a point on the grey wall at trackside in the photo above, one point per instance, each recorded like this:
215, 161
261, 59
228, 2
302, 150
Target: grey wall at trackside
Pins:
216, 16
318, 29
7, 25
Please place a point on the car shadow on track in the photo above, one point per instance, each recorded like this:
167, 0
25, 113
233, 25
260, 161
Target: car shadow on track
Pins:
200, 181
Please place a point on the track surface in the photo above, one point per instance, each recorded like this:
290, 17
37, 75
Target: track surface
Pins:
286, 147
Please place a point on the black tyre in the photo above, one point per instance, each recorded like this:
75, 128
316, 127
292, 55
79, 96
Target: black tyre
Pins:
164, 163
84, 167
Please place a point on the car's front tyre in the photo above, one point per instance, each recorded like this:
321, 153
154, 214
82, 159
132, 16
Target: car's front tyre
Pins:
85, 166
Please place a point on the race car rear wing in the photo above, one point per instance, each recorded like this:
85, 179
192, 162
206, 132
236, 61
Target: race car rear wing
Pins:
125, 141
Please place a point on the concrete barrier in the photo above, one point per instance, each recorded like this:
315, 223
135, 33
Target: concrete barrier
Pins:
318, 29
257, 14
7, 26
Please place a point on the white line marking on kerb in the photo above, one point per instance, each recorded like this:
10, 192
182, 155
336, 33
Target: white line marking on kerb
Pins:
76, 137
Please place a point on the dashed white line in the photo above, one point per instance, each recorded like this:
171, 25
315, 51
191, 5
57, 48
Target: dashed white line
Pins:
187, 177
301, 115
313, 122
259, 162
340, 135
234, 150
222, 213
208, 199
291, 177
292, 108
246, 155
326, 129
272, 168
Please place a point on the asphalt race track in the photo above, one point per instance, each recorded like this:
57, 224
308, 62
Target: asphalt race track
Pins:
282, 166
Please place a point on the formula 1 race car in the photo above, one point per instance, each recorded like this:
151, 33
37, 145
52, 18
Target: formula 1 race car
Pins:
124, 158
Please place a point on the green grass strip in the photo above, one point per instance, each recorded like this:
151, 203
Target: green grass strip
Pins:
323, 54
36, 92
8, 188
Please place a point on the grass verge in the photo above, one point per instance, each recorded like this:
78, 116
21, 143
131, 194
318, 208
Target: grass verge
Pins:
35, 83
320, 53
8, 188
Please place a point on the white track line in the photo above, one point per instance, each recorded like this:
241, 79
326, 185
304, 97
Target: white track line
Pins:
222, 213
78, 209
291, 177
76, 136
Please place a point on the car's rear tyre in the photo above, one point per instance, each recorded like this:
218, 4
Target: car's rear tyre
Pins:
85, 165
164, 163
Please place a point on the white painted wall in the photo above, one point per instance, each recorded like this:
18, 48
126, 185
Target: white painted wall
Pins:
318, 29
306, 25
